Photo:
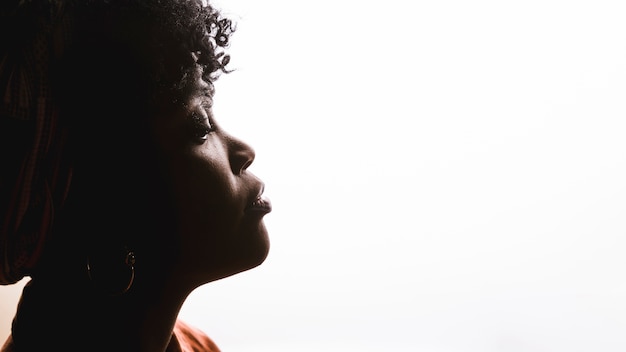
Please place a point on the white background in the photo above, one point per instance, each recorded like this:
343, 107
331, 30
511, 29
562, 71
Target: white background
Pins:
446, 176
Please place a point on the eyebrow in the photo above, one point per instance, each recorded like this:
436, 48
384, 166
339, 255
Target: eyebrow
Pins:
206, 100
206, 95
207, 90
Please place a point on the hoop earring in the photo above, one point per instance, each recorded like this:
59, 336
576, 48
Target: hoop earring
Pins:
129, 262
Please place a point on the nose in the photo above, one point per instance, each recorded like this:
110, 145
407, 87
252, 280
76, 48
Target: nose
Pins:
241, 155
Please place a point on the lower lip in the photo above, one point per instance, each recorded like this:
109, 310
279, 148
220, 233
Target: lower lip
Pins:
260, 206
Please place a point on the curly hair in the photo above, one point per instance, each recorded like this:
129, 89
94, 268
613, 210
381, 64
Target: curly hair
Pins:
153, 44
147, 49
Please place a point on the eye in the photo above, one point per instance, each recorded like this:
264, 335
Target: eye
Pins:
201, 127
201, 133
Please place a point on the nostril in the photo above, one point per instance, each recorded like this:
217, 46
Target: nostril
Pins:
242, 159
246, 165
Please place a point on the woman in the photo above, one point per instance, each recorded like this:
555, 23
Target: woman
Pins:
120, 193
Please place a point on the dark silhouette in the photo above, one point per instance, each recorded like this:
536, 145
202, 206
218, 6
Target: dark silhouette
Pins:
120, 193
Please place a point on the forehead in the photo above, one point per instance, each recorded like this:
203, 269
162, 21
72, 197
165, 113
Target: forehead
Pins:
171, 122
196, 89
192, 89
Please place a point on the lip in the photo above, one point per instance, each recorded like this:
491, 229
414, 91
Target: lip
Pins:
260, 204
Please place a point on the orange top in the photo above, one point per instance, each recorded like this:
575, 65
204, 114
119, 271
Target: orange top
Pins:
189, 339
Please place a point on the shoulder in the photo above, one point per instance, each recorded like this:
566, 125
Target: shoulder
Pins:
191, 339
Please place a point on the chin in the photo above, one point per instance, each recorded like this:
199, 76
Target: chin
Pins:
245, 257
258, 250
239, 267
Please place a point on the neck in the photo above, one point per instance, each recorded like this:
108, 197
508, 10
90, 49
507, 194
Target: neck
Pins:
139, 320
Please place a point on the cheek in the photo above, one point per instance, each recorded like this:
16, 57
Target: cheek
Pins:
209, 201
207, 218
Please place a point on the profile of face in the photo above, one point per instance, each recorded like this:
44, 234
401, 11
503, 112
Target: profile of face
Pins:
219, 204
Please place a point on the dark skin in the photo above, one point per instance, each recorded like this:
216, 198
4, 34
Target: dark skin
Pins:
214, 230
